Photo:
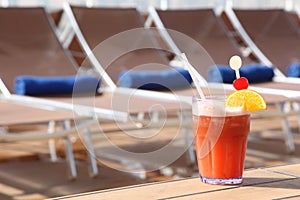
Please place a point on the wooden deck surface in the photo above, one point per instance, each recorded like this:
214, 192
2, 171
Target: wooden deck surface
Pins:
281, 182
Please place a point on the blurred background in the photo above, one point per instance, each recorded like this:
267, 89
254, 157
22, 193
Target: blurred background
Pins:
162, 4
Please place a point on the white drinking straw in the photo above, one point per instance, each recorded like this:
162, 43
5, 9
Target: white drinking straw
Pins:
235, 63
195, 75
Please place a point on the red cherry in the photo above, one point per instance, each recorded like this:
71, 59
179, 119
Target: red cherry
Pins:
240, 83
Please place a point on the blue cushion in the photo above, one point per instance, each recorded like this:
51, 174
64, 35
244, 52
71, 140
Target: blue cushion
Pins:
36, 86
155, 80
255, 73
293, 70
221, 74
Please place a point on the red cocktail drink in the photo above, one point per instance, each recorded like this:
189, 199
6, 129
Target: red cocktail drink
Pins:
221, 141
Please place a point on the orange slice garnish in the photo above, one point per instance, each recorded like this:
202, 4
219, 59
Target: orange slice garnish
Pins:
251, 100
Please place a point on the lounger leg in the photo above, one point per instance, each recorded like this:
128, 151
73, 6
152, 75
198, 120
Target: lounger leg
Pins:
140, 116
287, 134
297, 107
188, 140
51, 142
191, 153
69, 154
155, 117
3, 130
93, 168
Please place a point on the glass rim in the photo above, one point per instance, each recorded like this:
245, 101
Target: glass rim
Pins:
210, 98
219, 101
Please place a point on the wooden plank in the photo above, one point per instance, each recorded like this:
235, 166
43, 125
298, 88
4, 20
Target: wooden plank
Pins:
150, 191
16, 152
10, 190
276, 190
293, 170
262, 176
181, 188
34, 196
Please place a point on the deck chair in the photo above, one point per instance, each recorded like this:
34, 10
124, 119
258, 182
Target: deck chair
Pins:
209, 30
124, 19
29, 46
102, 60
271, 34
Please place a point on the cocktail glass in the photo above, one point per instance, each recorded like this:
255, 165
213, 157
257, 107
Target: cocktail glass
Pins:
220, 139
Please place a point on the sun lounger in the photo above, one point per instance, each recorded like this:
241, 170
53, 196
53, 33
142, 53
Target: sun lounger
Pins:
204, 27
15, 43
271, 34
111, 62
124, 20
29, 46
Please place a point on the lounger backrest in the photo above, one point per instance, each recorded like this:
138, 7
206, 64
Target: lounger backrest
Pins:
98, 24
29, 46
204, 27
274, 33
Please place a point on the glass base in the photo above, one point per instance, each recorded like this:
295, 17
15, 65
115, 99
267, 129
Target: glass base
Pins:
221, 181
